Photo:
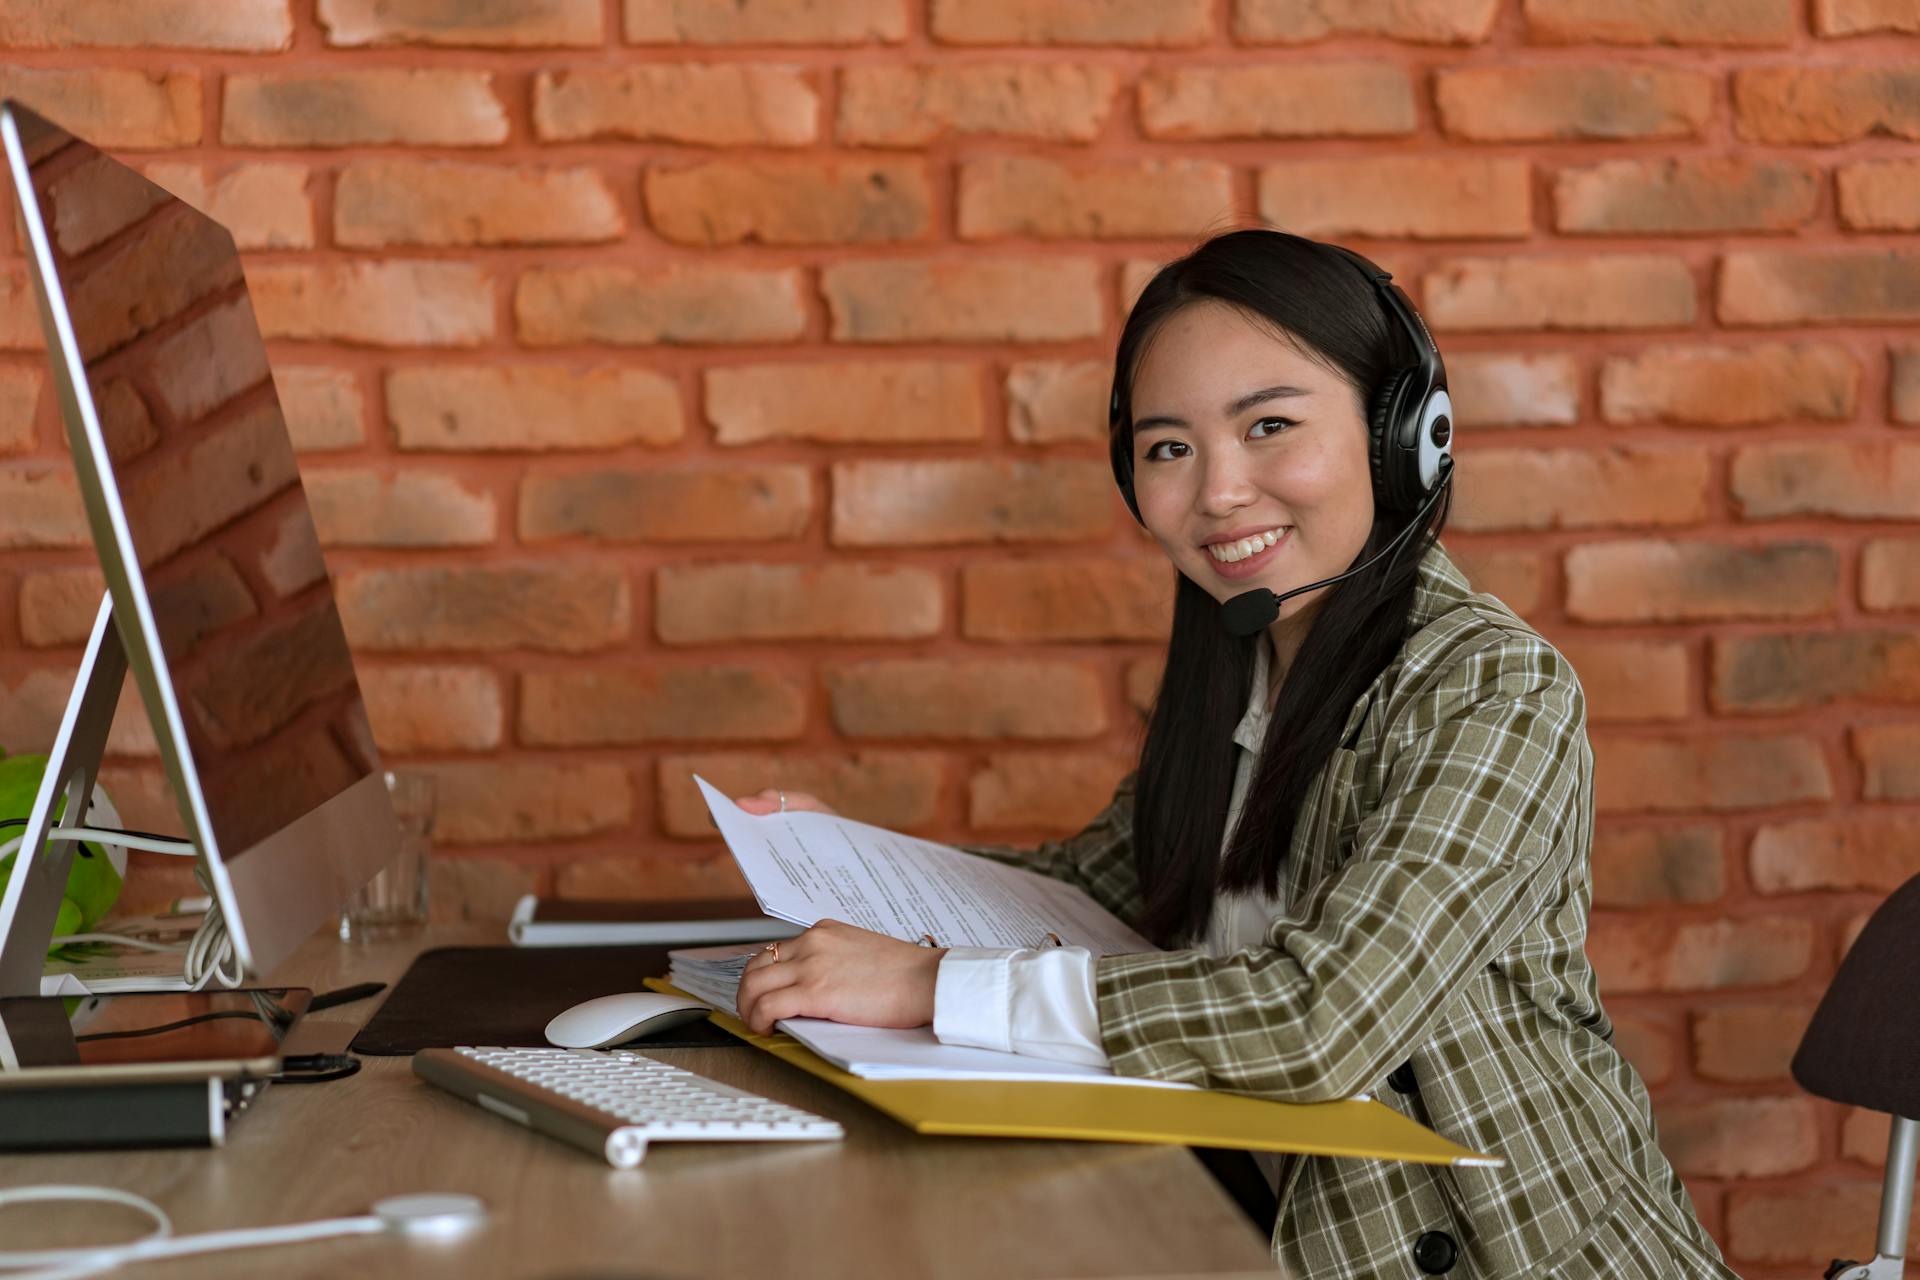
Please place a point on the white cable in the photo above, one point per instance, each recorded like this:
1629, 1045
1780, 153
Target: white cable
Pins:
206, 958
422, 1217
92, 1262
215, 949
162, 1225
210, 954
151, 844
104, 835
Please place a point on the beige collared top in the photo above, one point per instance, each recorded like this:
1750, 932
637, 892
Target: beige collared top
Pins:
1431, 952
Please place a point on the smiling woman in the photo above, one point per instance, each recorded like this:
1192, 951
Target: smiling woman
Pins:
1235, 492
1254, 364
1360, 826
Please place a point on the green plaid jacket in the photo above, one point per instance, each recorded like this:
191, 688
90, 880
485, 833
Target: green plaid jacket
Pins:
1437, 890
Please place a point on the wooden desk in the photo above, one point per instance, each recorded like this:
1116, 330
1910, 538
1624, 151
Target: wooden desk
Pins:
885, 1202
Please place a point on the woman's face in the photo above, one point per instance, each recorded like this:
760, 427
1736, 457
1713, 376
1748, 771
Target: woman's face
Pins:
1239, 439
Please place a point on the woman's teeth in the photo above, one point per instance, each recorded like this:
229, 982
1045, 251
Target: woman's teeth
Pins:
1228, 552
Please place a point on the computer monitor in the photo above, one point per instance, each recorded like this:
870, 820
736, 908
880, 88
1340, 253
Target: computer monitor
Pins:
217, 601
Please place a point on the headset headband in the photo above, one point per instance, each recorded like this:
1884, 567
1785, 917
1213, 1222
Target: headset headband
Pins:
1394, 300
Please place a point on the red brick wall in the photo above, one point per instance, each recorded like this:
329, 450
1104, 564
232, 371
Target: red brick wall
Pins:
693, 386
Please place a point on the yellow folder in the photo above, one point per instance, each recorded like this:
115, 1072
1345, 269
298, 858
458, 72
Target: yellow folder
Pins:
1118, 1113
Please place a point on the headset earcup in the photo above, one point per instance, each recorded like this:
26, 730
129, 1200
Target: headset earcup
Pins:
1383, 452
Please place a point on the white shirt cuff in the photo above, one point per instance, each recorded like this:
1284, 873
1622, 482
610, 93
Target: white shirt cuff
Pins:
1038, 1003
971, 992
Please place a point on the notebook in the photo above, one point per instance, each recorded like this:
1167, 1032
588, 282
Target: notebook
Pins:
606, 922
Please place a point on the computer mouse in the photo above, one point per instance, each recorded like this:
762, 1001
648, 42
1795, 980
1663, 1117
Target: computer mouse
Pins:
610, 1020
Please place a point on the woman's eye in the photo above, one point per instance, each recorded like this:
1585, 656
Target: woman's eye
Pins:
1155, 451
1278, 425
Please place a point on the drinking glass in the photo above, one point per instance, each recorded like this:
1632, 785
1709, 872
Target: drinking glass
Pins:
396, 897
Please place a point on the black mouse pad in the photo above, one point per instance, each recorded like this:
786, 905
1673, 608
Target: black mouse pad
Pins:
507, 995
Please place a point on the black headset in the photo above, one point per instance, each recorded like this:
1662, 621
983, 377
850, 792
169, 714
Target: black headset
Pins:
1409, 420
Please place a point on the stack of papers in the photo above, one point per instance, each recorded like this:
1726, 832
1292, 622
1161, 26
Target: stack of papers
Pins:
808, 867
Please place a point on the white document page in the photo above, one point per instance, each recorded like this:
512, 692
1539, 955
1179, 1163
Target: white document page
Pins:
808, 867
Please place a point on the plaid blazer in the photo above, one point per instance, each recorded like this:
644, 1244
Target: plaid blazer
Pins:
1431, 953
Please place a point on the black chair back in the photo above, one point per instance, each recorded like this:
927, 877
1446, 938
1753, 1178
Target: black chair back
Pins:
1863, 1044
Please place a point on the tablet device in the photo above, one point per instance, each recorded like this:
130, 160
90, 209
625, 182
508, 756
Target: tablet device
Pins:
146, 1036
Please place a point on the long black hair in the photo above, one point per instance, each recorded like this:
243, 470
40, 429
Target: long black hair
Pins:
1321, 302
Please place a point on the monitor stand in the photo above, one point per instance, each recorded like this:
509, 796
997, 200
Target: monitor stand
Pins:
30, 900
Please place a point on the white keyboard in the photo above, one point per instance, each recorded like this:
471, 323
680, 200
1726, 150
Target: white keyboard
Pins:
613, 1102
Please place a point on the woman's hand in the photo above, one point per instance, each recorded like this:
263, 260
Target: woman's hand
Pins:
768, 801
843, 973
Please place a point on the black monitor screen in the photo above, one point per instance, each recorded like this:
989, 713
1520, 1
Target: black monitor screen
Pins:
198, 454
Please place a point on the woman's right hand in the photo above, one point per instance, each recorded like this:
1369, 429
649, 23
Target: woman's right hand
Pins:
768, 801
